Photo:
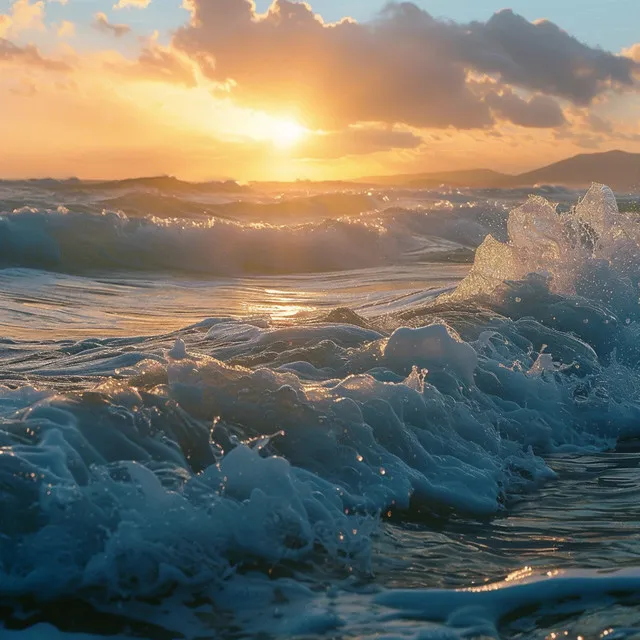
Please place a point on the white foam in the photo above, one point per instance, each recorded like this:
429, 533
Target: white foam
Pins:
434, 346
565, 247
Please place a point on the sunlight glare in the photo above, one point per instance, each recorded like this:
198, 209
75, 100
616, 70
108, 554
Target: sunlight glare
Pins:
286, 133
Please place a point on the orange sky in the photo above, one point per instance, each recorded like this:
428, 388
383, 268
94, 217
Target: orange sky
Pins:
289, 96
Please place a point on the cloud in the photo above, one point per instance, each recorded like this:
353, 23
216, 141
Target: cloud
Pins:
5, 24
66, 29
138, 4
22, 16
536, 112
588, 129
101, 22
25, 15
355, 141
28, 55
157, 63
542, 57
330, 75
597, 124
633, 52
402, 67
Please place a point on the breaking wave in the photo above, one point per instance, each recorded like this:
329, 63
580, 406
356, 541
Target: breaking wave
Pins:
61, 240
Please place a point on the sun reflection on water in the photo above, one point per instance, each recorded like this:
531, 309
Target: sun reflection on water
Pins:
280, 306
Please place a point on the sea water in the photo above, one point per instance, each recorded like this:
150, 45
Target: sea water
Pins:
233, 413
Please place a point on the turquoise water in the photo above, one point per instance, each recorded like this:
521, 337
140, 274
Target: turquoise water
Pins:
220, 419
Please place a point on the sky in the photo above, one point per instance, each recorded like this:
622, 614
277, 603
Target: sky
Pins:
282, 90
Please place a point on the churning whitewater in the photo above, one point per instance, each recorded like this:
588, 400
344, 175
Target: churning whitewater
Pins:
390, 414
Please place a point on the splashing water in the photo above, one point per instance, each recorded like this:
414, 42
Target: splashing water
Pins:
293, 469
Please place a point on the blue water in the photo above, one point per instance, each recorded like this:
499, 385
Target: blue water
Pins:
227, 413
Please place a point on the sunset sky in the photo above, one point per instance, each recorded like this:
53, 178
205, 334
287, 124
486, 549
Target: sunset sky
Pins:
210, 89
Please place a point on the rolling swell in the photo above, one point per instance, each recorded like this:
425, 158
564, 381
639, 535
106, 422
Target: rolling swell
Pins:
80, 242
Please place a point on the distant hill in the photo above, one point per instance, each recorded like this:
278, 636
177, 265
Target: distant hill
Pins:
158, 183
618, 169
169, 183
467, 178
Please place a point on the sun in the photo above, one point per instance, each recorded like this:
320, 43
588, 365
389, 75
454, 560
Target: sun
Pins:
282, 132
285, 133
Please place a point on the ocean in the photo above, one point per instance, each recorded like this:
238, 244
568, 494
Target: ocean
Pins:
318, 412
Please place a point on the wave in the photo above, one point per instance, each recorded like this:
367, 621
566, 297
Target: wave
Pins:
271, 210
590, 255
155, 183
77, 242
233, 446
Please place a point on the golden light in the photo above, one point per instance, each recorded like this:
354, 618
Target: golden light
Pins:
285, 133
194, 108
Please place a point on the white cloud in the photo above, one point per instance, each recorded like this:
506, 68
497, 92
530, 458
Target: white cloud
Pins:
137, 4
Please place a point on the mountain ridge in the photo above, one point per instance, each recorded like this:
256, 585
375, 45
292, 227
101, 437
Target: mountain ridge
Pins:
619, 169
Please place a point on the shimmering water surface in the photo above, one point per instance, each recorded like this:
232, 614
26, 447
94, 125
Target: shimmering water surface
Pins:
385, 414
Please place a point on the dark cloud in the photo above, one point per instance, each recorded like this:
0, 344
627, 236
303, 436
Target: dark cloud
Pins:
101, 23
542, 57
356, 141
402, 67
28, 55
537, 111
